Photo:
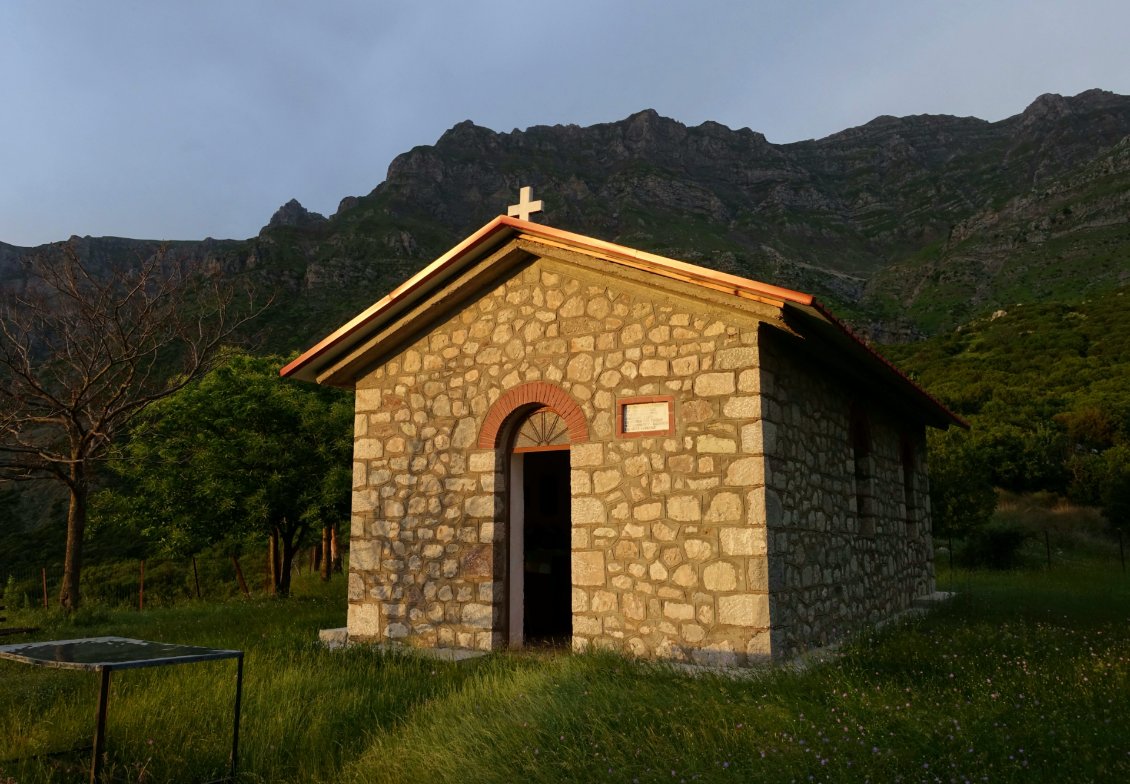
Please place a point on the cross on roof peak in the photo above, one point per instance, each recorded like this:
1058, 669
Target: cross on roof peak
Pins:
526, 206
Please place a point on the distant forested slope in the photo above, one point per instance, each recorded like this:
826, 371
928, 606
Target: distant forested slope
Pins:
1046, 388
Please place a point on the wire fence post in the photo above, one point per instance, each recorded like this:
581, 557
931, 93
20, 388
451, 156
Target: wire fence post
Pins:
43, 572
141, 589
1048, 547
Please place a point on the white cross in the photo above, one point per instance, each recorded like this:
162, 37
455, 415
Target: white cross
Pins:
525, 207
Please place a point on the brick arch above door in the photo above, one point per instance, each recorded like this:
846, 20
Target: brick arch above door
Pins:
522, 396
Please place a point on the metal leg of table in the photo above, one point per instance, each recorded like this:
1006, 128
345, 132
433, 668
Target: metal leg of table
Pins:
100, 728
235, 724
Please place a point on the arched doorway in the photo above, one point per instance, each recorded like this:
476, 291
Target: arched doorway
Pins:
533, 425
539, 595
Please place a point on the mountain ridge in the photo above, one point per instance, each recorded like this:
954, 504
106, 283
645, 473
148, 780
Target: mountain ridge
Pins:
887, 221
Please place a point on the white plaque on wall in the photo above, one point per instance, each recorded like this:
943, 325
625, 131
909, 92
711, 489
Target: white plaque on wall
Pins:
647, 417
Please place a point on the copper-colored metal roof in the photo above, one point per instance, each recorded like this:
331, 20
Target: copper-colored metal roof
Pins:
503, 229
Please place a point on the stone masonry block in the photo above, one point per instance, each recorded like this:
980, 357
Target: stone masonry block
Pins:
750, 380
747, 609
477, 615
580, 483
356, 586
603, 481
725, 507
684, 508
708, 384
367, 399
479, 506
735, 358
481, 462
587, 511
586, 455
745, 472
465, 434
720, 576
367, 448
678, 611
364, 620
743, 540
364, 555
709, 444
757, 573
588, 568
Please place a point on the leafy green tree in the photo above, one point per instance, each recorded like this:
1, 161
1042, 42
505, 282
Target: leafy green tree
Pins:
962, 498
237, 453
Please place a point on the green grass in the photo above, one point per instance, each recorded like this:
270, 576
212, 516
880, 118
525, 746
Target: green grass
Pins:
1024, 677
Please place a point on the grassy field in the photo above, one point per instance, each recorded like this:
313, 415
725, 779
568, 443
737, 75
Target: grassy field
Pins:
1024, 677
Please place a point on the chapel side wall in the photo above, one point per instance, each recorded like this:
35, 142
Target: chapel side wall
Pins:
828, 576
669, 548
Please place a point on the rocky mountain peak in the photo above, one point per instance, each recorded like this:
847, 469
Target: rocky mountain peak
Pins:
648, 128
1049, 106
294, 214
1052, 107
465, 134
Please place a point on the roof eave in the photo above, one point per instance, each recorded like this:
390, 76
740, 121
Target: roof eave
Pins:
937, 415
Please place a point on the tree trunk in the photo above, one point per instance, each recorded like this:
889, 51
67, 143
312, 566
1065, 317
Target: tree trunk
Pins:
76, 526
327, 556
273, 562
335, 552
287, 551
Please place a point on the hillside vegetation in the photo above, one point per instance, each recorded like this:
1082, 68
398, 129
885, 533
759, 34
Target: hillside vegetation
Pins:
1046, 388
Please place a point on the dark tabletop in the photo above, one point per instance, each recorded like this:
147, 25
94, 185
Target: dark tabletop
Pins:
113, 653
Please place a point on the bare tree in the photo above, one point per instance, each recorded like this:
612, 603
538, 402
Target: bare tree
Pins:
84, 352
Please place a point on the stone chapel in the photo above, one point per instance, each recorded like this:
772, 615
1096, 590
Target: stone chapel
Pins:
562, 440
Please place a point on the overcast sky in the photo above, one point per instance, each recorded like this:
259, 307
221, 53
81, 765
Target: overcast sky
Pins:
180, 120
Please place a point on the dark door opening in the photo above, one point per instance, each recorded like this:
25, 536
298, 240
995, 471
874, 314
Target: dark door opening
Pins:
547, 573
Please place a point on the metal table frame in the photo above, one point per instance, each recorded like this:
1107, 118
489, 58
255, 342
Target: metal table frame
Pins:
90, 654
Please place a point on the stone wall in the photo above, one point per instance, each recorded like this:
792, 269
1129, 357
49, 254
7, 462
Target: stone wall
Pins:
832, 572
669, 539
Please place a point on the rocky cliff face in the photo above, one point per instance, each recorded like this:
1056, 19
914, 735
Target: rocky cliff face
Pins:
903, 224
